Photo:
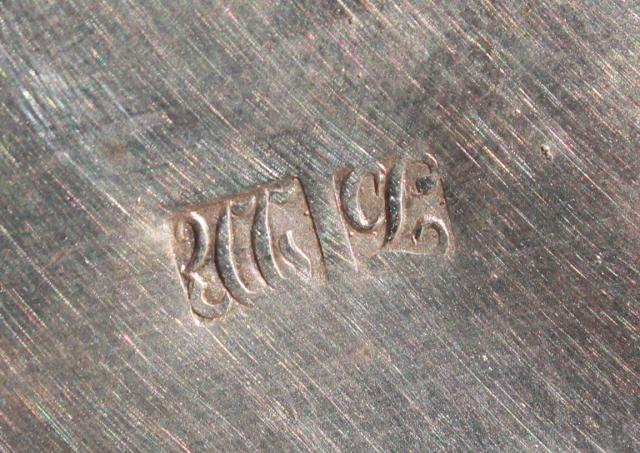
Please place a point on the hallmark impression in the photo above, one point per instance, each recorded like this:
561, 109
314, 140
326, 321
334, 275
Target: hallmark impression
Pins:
237, 249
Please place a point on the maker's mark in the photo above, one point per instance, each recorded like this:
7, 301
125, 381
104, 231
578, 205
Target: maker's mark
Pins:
398, 206
240, 248
235, 250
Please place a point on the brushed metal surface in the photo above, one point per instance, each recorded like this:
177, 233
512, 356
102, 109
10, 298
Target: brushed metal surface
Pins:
116, 116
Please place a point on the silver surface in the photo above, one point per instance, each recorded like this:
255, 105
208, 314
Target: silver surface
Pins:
118, 117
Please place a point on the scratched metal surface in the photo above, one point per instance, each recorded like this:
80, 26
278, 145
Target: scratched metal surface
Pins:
117, 114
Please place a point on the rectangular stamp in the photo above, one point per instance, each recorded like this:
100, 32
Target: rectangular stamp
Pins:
398, 205
236, 249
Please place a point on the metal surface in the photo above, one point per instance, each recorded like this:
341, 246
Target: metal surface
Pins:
352, 312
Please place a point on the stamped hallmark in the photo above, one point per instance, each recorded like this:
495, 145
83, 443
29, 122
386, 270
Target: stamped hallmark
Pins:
235, 250
396, 206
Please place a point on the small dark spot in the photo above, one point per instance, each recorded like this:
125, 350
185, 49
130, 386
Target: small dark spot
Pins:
546, 152
417, 233
428, 233
424, 233
425, 184
114, 150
